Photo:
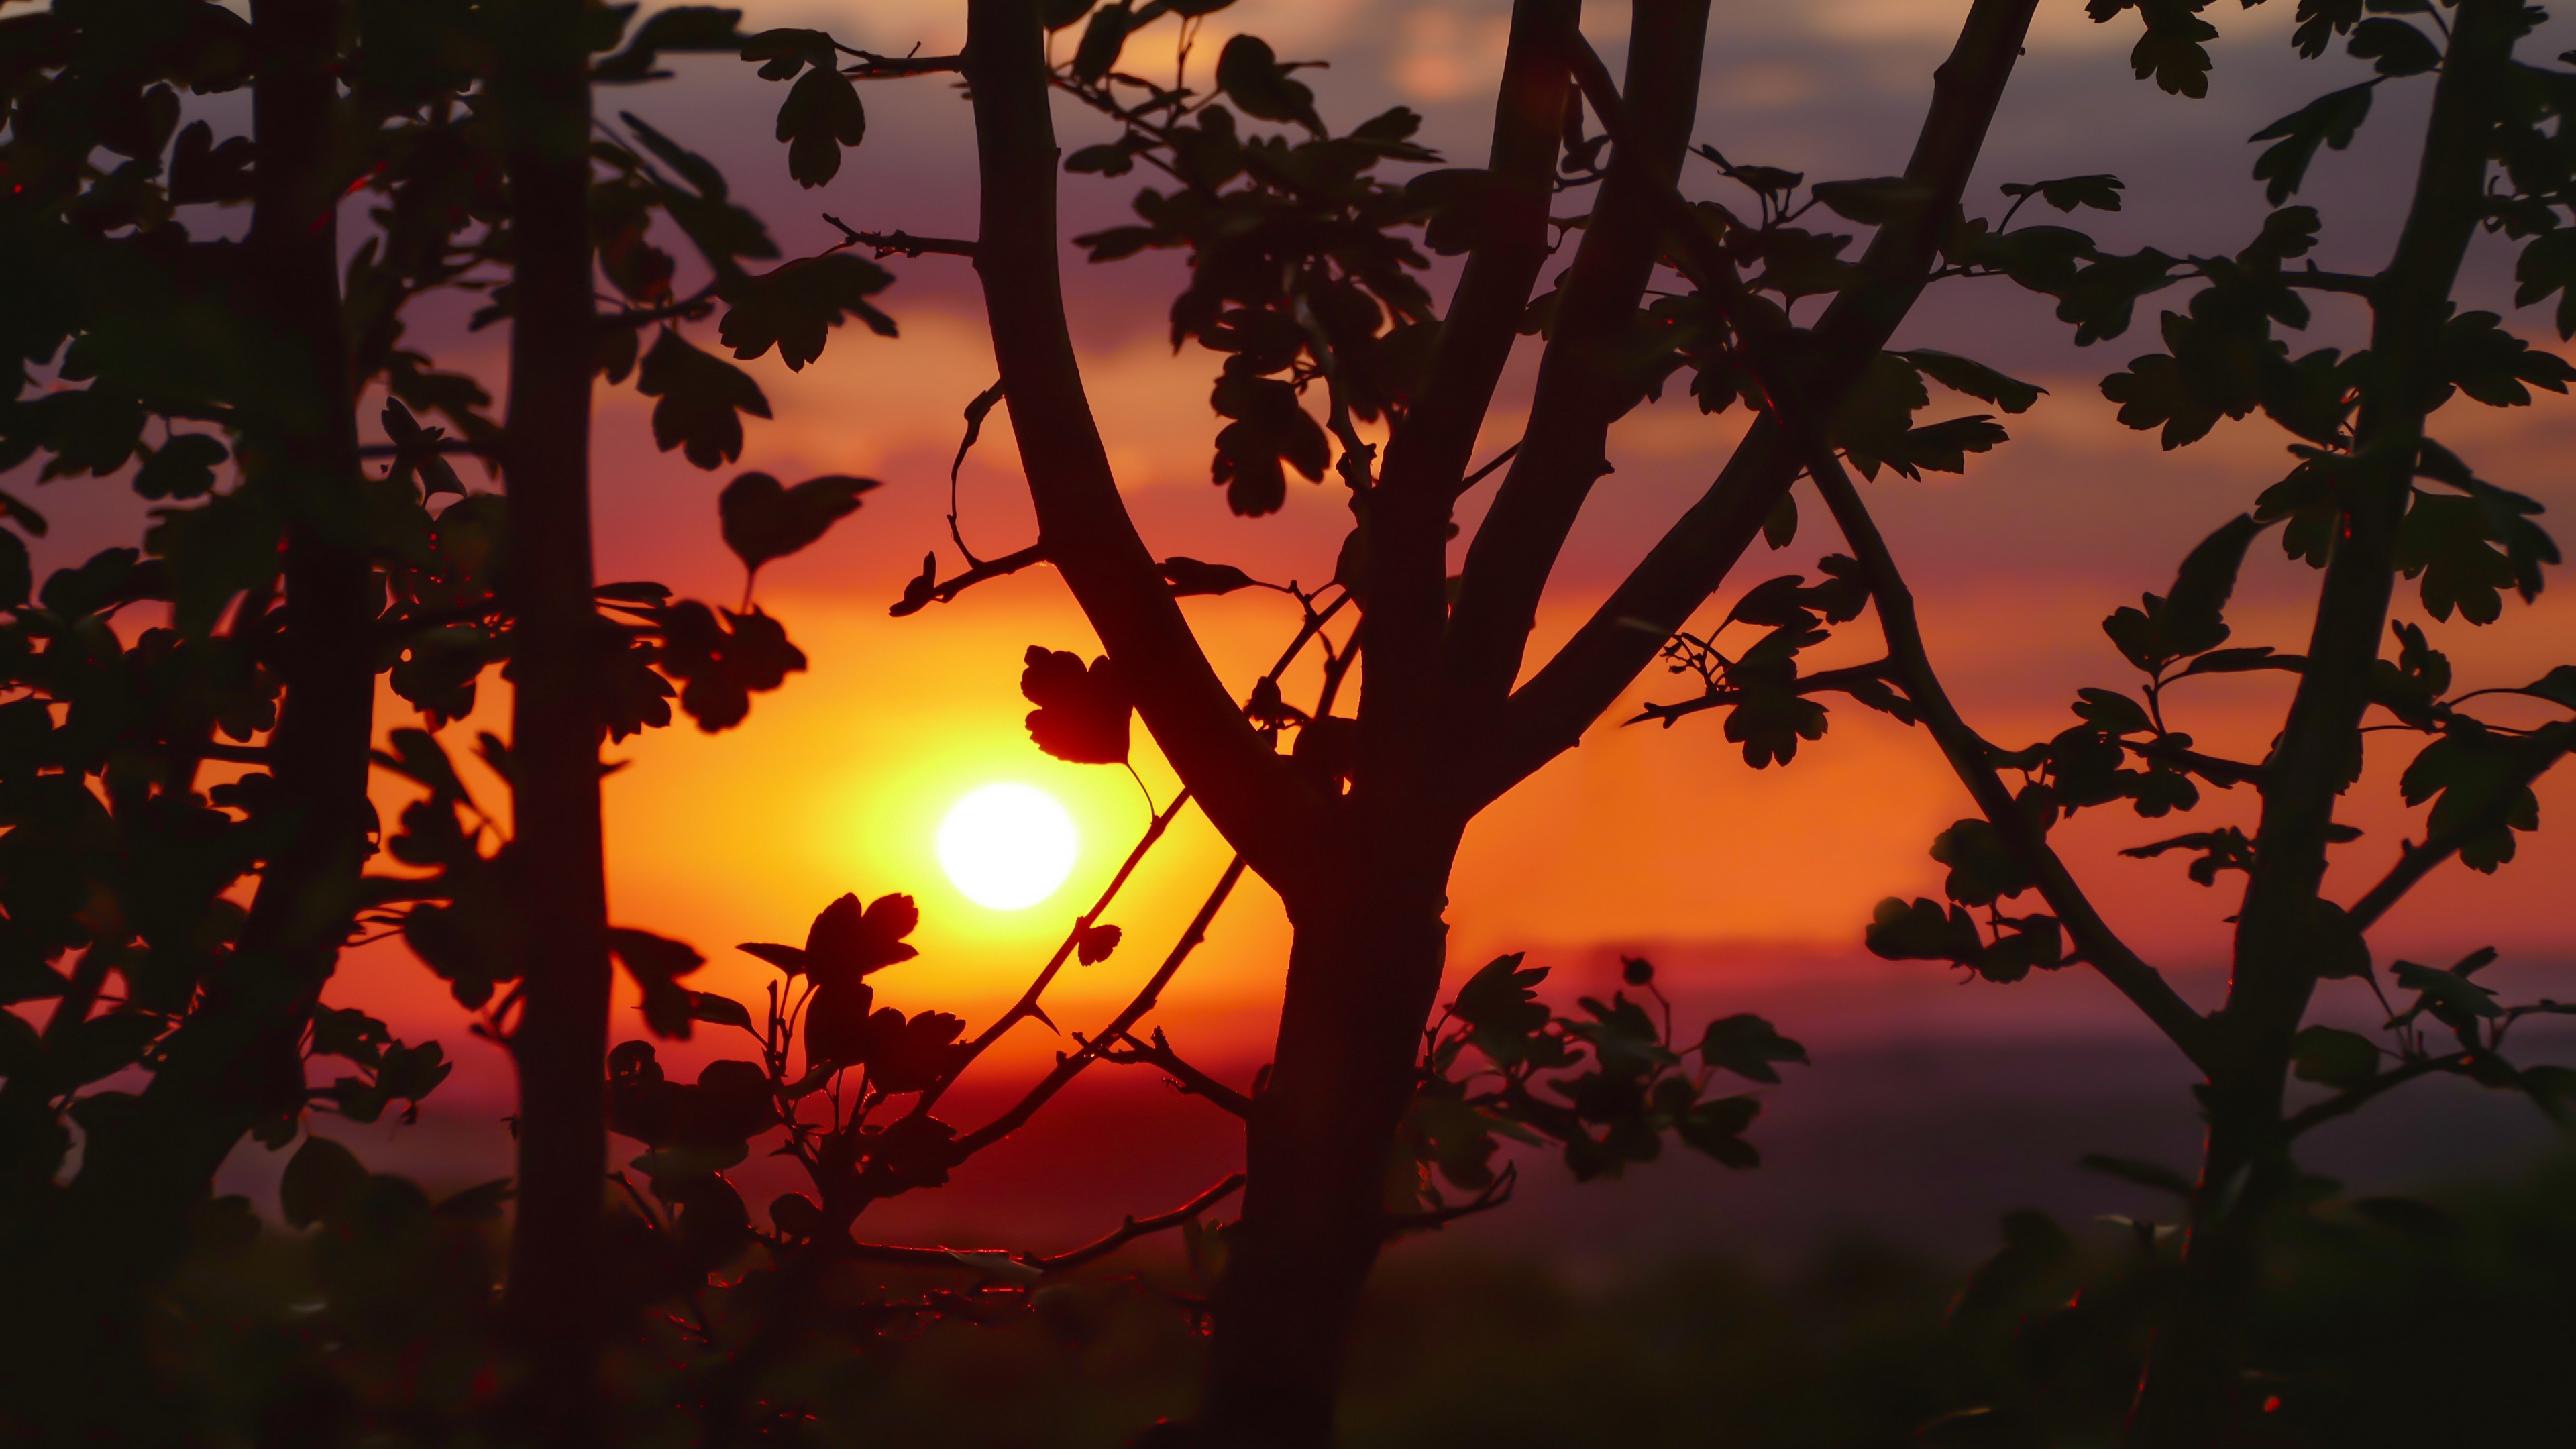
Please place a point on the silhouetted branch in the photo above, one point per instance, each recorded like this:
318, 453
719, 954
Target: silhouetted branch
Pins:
1126, 1232
1583, 386
1135, 1228
1069, 1067
1027, 1005
2352, 1099
1973, 761
1817, 683
941, 593
899, 242
872, 66
1253, 796
1547, 715
1188, 1078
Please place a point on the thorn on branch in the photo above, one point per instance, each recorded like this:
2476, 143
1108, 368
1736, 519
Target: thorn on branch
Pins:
1189, 1079
900, 243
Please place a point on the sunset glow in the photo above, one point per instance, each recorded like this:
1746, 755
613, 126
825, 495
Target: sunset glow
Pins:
1007, 846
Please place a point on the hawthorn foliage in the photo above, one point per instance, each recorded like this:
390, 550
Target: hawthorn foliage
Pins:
2381, 508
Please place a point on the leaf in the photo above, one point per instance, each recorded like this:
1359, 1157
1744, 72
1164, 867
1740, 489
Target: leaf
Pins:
322, 1180
2330, 120
1922, 930
1269, 429
1082, 715
1747, 1045
2171, 51
2333, 1058
656, 962
2144, 1174
702, 397
790, 959
1096, 943
1876, 201
1188, 577
1252, 77
2194, 615
2101, 192
680, 28
763, 521
1101, 41
725, 658
848, 941
795, 307
716, 1010
417, 756
2454, 999
183, 467
2399, 48
820, 116
1963, 375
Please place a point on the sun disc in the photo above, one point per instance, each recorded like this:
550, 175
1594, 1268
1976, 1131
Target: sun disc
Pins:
1007, 846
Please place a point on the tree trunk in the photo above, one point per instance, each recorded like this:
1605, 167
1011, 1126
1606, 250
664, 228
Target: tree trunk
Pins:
1362, 975
238, 1058
561, 1041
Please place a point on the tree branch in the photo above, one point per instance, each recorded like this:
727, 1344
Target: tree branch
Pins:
1189, 1079
2276, 943
941, 593
1027, 1006
1548, 715
900, 242
1248, 791
1126, 1232
1405, 576
1069, 1067
1584, 380
1969, 757
2351, 1100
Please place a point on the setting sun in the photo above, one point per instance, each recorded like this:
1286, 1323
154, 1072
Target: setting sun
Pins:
1007, 846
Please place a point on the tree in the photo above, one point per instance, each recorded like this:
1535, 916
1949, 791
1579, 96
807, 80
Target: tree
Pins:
2372, 500
1301, 277
296, 576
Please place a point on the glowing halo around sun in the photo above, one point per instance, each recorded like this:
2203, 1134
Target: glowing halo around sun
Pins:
1007, 847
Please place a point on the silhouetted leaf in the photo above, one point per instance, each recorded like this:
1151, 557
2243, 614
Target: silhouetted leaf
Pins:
701, 400
1082, 715
763, 521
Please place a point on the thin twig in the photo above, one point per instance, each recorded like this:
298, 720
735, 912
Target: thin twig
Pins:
1009, 563
1027, 1006
1126, 1232
1135, 1228
2352, 1099
899, 242
1071, 1066
1189, 1079
1972, 759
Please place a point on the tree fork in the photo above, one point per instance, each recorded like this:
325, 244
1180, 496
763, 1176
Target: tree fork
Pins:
561, 1040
